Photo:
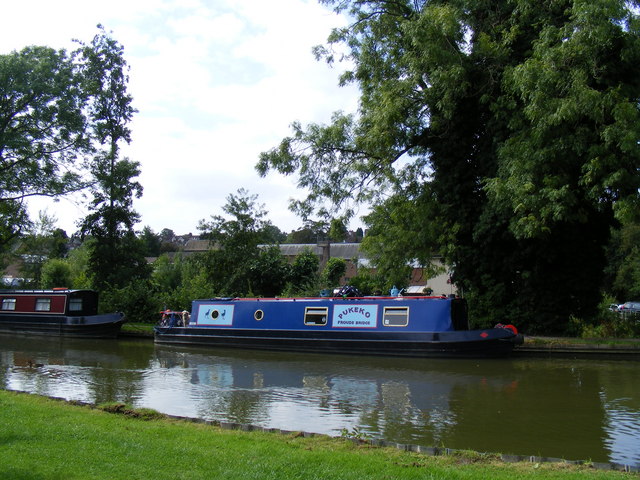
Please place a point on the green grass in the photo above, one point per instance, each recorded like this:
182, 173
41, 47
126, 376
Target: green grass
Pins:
45, 439
138, 328
577, 341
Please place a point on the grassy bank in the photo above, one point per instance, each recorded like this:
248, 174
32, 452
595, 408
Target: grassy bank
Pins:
46, 439
572, 341
138, 329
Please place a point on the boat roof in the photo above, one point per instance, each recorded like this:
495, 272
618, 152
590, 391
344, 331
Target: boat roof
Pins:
52, 291
302, 299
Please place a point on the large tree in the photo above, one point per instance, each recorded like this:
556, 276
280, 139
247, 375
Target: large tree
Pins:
116, 255
236, 260
43, 139
503, 134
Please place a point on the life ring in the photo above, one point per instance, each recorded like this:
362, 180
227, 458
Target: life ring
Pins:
508, 327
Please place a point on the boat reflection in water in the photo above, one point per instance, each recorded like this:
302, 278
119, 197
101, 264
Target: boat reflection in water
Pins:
89, 370
575, 409
324, 394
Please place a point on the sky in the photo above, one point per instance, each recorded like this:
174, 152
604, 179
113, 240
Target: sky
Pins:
215, 83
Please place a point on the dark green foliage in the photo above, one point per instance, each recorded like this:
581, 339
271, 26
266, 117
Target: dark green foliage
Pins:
359, 234
152, 242
167, 274
501, 134
136, 299
111, 222
312, 232
13, 217
304, 271
117, 262
116, 255
56, 273
273, 235
167, 241
371, 282
333, 271
268, 273
623, 269
42, 131
59, 244
338, 230
608, 323
234, 262
42, 242
403, 227
179, 282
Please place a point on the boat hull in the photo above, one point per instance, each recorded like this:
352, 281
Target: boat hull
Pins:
393, 326
437, 344
92, 326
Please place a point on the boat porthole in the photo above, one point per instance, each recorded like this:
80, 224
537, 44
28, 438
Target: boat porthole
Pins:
215, 314
258, 315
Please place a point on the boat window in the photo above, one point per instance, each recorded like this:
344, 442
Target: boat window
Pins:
258, 315
395, 316
316, 315
43, 304
75, 304
8, 304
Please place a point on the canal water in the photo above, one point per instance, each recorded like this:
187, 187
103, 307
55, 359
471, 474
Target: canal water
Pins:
577, 409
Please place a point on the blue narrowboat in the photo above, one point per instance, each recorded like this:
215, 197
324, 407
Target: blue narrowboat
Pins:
398, 326
57, 312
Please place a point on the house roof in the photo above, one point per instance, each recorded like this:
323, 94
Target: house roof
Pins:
347, 251
196, 245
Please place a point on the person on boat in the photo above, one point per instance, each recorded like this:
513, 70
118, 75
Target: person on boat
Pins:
170, 318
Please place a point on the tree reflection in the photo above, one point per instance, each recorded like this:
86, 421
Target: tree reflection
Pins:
560, 408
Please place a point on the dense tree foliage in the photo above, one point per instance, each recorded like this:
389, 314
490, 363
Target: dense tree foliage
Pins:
42, 242
63, 116
338, 231
235, 239
152, 242
116, 255
304, 273
311, 232
502, 134
623, 268
333, 271
43, 139
268, 273
56, 273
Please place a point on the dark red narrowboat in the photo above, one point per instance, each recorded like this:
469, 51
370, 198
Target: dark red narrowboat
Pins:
57, 312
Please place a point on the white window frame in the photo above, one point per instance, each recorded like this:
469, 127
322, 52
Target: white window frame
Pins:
43, 304
9, 304
391, 316
317, 316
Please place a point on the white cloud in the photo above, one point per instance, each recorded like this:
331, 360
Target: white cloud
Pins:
215, 82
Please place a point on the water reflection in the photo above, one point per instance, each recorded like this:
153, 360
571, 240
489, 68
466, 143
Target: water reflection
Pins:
576, 409
406, 400
88, 370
